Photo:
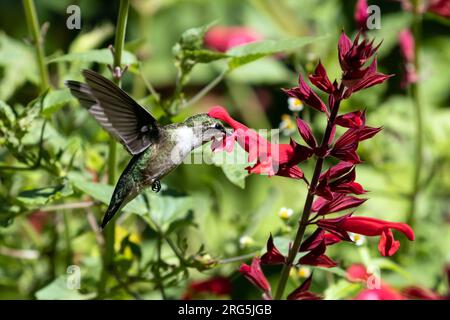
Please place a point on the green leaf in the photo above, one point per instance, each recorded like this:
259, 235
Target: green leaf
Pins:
250, 52
42, 196
265, 71
160, 209
342, 290
59, 290
55, 100
92, 39
18, 64
203, 55
102, 192
102, 56
233, 163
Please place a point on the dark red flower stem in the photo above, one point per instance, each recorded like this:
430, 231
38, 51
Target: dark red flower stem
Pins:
304, 220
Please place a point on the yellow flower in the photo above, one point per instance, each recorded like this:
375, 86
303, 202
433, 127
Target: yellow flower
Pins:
287, 126
300, 272
285, 213
120, 234
294, 104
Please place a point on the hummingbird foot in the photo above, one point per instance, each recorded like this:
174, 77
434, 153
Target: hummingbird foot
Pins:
156, 186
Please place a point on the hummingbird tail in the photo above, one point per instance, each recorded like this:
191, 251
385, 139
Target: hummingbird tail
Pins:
125, 191
113, 207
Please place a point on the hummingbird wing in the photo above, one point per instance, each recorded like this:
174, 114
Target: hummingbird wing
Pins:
116, 111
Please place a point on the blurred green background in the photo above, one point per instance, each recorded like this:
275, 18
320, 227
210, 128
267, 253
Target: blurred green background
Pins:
48, 212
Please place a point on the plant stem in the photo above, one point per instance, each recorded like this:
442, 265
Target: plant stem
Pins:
35, 31
108, 254
415, 95
205, 90
69, 253
303, 222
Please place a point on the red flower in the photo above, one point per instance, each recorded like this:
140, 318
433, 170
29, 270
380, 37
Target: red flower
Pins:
352, 58
361, 14
407, 47
369, 227
338, 202
38, 220
420, 293
357, 272
320, 79
384, 293
317, 257
304, 93
271, 159
217, 286
338, 179
303, 293
273, 255
350, 120
306, 133
439, 7
345, 147
223, 38
317, 238
254, 274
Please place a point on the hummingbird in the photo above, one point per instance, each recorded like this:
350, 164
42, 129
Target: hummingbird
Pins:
156, 149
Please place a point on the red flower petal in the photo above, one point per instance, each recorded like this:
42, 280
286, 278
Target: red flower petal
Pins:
306, 133
306, 95
273, 255
302, 293
316, 257
361, 14
320, 79
340, 202
357, 272
388, 245
350, 120
254, 274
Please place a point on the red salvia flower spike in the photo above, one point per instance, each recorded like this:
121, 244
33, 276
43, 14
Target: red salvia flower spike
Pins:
303, 293
304, 93
273, 255
254, 274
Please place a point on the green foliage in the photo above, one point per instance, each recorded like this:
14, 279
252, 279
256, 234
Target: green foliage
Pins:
53, 155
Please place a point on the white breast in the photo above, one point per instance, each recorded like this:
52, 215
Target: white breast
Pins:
185, 140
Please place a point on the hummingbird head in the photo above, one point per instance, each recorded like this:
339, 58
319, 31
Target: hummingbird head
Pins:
206, 127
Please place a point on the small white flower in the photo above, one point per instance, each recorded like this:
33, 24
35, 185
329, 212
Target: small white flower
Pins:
358, 239
287, 126
285, 213
246, 241
294, 104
